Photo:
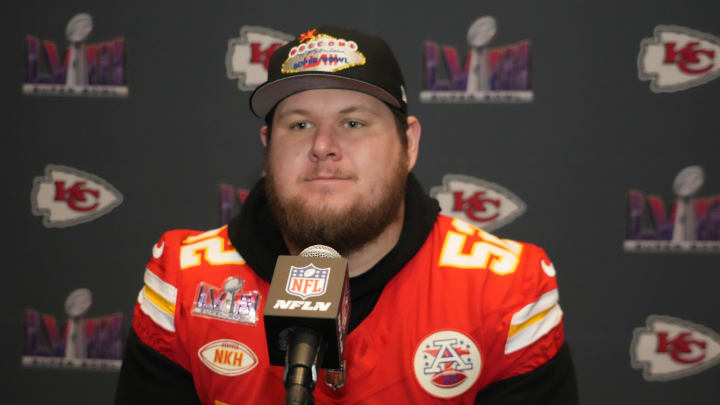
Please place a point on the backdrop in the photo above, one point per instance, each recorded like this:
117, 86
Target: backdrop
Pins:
589, 128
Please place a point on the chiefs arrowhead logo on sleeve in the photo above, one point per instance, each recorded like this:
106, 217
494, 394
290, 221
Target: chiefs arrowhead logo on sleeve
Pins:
678, 58
66, 196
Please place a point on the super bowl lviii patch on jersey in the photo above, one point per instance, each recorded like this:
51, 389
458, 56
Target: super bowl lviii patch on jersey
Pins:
447, 363
229, 303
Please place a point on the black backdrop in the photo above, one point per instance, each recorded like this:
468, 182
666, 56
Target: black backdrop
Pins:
593, 132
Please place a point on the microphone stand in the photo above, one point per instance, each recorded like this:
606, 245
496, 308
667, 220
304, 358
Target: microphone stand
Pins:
304, 353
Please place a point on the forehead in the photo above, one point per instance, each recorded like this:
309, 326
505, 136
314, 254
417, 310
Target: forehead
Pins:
331, 101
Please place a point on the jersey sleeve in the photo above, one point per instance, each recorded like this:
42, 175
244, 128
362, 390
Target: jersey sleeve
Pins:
535, 329
155, 363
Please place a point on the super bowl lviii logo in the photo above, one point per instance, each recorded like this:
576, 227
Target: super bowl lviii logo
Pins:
669, 348
248, 55
66, 196
231, 201
690, 225
86, 69
482, 203
95, 343
678, 58
500, 74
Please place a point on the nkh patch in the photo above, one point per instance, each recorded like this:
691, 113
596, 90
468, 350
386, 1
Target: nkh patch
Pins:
228, 357
322, 53
308, 281
447, 363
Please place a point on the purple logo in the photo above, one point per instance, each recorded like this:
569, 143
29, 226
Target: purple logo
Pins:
308, 281
83, 343
85, 69
500, 74
691, 224
229, 303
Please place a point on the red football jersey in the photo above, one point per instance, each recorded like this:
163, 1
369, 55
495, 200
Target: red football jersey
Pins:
469, 309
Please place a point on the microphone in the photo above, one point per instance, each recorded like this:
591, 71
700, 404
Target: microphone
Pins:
306, 318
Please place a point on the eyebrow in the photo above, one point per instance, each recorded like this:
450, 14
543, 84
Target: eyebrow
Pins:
348, 110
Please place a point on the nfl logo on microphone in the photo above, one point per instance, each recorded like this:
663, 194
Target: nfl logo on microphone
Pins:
308, 281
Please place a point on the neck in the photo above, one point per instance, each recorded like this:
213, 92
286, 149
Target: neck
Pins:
363, 259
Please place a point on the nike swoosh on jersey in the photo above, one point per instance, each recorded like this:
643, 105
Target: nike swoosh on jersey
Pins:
548, 268
158, 250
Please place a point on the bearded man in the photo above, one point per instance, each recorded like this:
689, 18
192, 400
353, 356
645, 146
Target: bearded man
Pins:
442, 312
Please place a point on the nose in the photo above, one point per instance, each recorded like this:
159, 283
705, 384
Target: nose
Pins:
325, 145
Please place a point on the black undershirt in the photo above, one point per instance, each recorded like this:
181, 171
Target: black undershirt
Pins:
255, 236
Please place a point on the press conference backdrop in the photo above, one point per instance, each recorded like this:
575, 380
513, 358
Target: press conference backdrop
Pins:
589, 128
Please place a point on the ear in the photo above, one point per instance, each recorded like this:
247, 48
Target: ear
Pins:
413, 137
263, 135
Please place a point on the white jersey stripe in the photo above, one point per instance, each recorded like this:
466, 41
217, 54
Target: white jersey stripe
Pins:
531, 333
160, 317
165, 290
546, 301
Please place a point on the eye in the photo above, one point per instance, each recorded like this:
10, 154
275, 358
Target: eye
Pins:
354, 124
300, 125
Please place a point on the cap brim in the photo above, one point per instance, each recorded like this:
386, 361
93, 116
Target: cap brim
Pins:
265, 97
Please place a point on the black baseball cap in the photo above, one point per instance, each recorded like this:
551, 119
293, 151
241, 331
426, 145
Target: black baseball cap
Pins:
331, 58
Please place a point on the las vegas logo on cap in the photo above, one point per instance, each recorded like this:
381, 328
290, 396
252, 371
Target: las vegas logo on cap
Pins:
322, 53
447, 363
66, 196
678, 58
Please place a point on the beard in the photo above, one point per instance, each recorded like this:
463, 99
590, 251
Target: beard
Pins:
303, 223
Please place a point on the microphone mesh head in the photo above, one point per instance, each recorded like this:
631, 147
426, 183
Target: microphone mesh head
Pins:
320, 251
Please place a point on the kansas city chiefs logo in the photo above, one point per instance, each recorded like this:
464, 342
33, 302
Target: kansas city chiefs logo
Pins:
678, 58
66, 196
670, 348
482, 203
248, 56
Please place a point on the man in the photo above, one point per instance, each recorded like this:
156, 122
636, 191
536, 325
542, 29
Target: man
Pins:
441, 311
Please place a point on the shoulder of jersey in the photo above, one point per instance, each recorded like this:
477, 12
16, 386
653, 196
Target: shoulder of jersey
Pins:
185, 249
464, 245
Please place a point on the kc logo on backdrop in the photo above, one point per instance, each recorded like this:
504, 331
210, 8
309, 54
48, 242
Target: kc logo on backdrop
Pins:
494, 75
678, 58
692, 224
482, 203
248, 56
670, 348
66, 196
86, 69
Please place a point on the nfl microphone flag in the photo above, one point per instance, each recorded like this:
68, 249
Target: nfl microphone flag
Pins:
311, 292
